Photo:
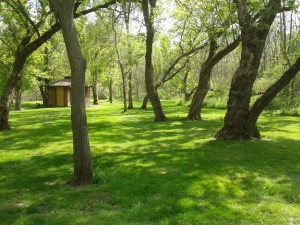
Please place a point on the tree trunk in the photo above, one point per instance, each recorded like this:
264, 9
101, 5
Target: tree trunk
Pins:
7, 95
44, 90
95, 95
236, 121
198, 98
261, 103
127, 12
18, 96
124, 92
205, 75
203, 85
151, 92
145, 102
95, 87
130, 100
184, 83
81, 148
123, 74
110, 99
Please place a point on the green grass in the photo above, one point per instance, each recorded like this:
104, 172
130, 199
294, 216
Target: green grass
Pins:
149, 173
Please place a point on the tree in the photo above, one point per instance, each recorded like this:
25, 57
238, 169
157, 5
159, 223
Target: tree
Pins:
97, 48
126, 11
31, 38
120, 63
240, 120
81, 147
148, 13
205, 75
22, 52
217, 22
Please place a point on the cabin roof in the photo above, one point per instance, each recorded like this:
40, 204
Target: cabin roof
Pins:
66, 82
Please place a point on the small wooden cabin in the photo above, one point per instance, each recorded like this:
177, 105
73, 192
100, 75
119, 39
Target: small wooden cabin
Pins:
59, 93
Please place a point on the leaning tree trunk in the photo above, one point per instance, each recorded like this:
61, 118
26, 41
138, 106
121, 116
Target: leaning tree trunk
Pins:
262, 102
254, 34
200, 94
81, 147
203, 85
24, 50
146, 98
7, 94
205, 75
150, 88
145, 103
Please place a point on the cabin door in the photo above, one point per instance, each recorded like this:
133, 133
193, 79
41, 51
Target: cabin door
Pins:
60, 96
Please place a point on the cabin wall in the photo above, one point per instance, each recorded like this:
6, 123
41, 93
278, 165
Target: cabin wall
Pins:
61, 96
52, 96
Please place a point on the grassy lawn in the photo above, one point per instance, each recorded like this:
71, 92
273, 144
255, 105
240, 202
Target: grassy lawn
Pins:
149, 173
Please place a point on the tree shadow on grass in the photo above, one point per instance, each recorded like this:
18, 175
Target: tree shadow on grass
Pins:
152, 173
37, 131
216, 182
201, 176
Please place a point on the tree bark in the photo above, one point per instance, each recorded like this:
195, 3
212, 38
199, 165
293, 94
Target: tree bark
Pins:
81, 148
151, 92
236, 121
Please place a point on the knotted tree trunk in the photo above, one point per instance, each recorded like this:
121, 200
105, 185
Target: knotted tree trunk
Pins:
238, 121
